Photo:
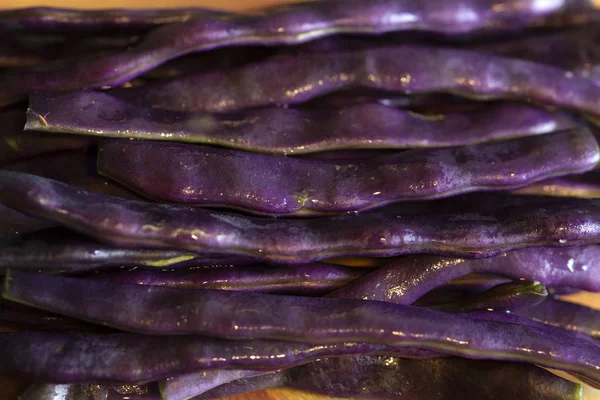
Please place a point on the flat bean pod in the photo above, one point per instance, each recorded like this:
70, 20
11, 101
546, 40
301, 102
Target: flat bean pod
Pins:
406, 69
167, 311
268, 184
289, 131
461, 288
486, 225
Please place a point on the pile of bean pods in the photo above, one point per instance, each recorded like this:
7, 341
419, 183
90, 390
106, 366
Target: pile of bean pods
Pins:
380, 199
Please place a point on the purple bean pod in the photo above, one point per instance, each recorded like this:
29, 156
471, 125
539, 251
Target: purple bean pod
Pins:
172, 311
408, 69
73, 21
384, 377
59, 250
506, 297
289, 131
565, 315
283, 25
269, 184
16, 145
585, 186
408, 278
485, 225
304, 280
460, 288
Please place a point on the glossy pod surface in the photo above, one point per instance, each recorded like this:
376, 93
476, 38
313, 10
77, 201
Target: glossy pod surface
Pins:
408, 278
407, 69
305, 279
167, 311
289, 131
181, 173
486, 225
287, 24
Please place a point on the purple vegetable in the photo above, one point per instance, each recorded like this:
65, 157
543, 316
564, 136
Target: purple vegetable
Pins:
63, 20
271, 184
16, 145
384, 377
566, 315
402, 69
512, 296
488, 225
287, 24
305, 280
62, 251
461, 288
586, 186
160, 310
408, 278
289, 131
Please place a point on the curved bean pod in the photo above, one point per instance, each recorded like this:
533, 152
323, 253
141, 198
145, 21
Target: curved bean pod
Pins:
160, 310
565, 315
305, 280
486, 225
287, 24
268, 184
408, 278
289, 131
403, 69
79, 391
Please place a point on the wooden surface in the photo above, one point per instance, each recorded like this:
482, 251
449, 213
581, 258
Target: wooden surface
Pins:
9, 387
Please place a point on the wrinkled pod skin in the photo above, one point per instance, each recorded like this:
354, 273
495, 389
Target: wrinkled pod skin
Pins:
269, 184
173, 311
407, 69
287, 24
487, 225
369, 123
